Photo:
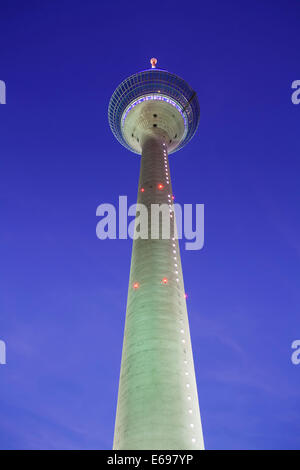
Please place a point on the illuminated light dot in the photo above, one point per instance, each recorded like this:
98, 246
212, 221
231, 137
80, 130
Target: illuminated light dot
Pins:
193, 440
189, 397
175, 257
183, 340
191, 425
160, 186
142, 190
181, 331
177, 280
173, 197
190, 411
185, 362
185, 296
136, 285
187, 385
186, 373
164, 280
174, 244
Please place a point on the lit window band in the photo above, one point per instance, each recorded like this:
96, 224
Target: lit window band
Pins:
159, 98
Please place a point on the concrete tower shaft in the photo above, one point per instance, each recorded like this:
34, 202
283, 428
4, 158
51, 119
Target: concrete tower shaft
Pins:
157, 402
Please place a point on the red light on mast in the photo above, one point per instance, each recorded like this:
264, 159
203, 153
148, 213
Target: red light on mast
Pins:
142, 190
136, 285
164, 280
160, 186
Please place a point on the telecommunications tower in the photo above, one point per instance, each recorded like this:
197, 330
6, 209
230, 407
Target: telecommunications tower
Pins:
155, 113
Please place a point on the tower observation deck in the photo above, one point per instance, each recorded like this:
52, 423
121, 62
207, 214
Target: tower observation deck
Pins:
155, 113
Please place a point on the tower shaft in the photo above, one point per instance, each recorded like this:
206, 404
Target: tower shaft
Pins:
157, 401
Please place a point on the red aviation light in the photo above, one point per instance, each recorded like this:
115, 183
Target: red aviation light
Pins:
164, 280
142, 190
185, 296
160, 186
136, 285
173, 197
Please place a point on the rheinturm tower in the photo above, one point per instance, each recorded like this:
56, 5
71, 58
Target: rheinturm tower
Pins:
154, 113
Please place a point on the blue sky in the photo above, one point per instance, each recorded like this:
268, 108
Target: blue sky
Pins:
63, 291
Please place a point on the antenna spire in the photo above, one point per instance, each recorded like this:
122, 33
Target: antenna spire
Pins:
153, 62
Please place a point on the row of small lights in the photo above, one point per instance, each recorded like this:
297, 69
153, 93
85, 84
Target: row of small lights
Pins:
177, 280
160, 186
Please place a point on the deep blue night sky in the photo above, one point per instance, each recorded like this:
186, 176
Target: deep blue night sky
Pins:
63, 291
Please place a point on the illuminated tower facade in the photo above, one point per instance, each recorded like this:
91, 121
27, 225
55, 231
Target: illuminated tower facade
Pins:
154, 113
